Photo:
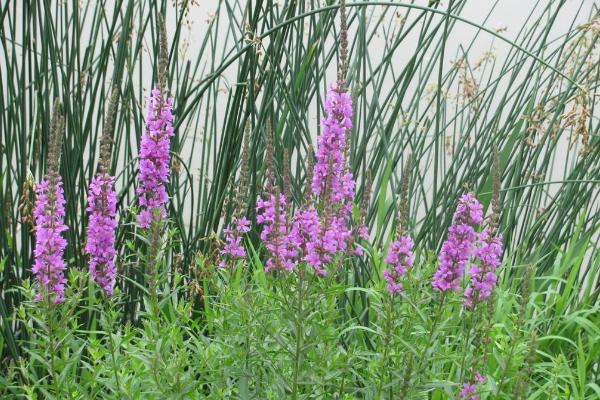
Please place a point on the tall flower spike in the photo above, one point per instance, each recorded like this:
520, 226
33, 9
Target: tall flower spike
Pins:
400, 256
102, 206
458, 247
488, 251
49, 212
155, 165
332, 183
155, 145
234, 232
272, 215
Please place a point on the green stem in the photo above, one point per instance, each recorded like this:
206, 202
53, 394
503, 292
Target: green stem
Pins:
466, 346
299, 332
387, 338
111, 323
51, 314
431, 333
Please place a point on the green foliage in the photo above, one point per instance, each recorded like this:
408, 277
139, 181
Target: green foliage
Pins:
269, 336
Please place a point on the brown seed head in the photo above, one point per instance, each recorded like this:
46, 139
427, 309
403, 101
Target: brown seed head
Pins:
403, 203
107, 132
287, 176
163, 53
270, 156
343, 66
56, 137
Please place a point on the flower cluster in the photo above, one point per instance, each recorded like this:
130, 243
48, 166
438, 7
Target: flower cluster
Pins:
458, 247
49, 213
469, 390
487, 256
328, 232
100, 245
233, 248
275, 233
305, 225
331, 178
154, 158
400, 258
331, 238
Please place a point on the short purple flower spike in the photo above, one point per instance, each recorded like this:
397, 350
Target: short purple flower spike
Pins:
100, 245
458, 247
400, 258
275, 234
49, 265
233, 249
487, 256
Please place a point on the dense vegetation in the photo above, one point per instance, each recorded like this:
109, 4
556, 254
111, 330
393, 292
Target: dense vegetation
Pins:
292, 212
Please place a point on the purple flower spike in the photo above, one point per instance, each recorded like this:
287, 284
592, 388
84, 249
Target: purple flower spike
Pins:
469, 210
333, 185
49, 265
487, 255
399, 258
278, 240
469, 390
458, 247
155, 159
233, 249
100, 245
330, 176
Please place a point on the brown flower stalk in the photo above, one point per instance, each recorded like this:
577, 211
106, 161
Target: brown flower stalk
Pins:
343, 67
106, 140
403, 205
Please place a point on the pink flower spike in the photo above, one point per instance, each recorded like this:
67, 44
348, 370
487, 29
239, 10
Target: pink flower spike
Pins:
155, 159
400, 258
49, 265
233, 249
458, 247
101, 232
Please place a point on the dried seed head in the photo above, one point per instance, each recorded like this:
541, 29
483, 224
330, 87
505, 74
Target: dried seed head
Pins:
343, 66
310, 165
107, 132
497, 181
287, 176
579, 117
526, 289
27, 201
270, 156
56, 137
366, 199
242, 187
163, 53
403, 205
